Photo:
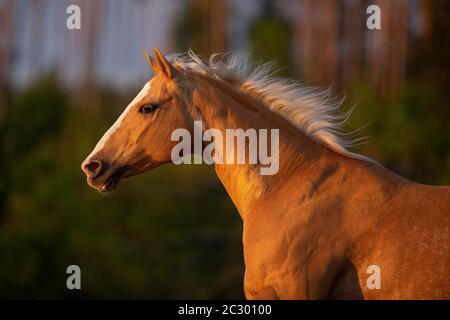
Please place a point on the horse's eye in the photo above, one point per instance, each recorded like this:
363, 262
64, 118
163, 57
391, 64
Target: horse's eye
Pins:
148, 108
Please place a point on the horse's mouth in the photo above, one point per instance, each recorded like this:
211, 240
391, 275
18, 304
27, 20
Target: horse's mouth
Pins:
113, 180
110, 184
126, 171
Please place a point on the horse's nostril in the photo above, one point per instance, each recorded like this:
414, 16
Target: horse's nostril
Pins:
92, 168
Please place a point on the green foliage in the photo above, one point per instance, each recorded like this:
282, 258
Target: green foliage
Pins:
36, 114
409, 134
277, 49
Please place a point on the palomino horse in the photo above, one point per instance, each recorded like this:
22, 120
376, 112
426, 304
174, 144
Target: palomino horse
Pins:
328, 224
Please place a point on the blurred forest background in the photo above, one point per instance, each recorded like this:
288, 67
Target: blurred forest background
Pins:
174, 233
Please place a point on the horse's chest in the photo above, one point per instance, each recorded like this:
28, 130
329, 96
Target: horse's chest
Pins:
284, 263
272, 267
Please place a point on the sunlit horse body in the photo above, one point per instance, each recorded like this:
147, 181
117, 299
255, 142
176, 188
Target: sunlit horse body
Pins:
312, 230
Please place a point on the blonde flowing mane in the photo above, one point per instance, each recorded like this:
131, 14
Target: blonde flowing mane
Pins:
312, 110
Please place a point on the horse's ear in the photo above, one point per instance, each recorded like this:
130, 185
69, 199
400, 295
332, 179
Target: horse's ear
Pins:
150, 60
159, 64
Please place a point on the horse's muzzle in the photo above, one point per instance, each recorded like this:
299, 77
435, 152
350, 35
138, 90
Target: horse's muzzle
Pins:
102, 176
95, 171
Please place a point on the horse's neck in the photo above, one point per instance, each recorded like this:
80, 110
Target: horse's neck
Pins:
307, 169
298, 154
